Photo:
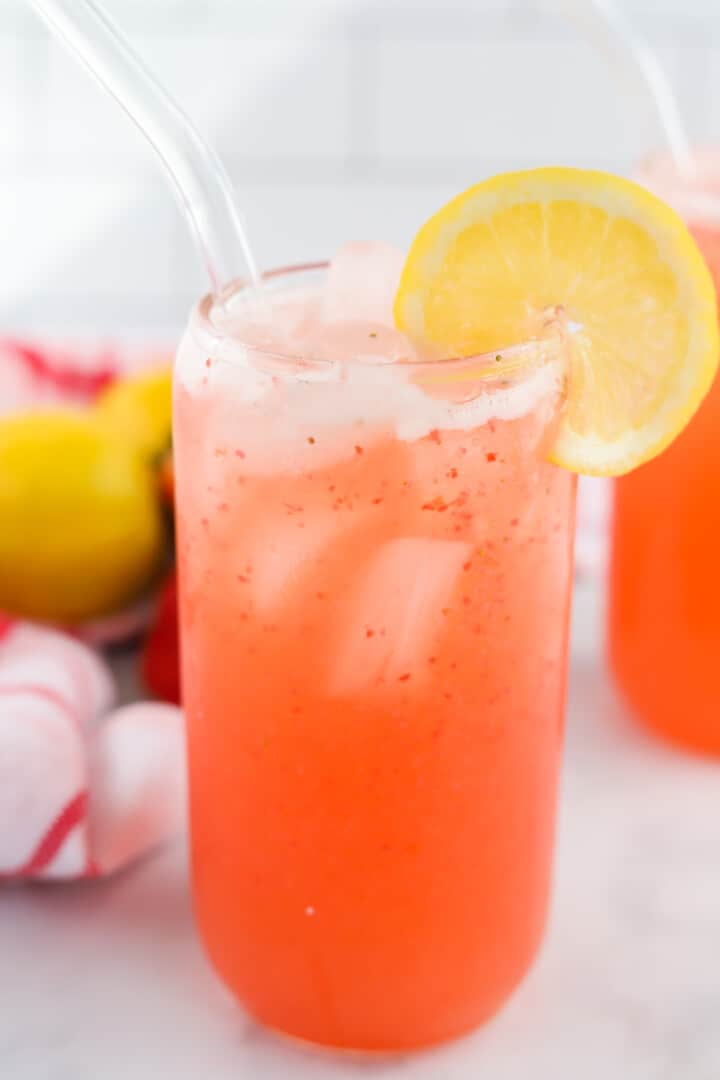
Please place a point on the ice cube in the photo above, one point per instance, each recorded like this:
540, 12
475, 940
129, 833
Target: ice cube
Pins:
308, 423
283, 548
394, 616
362, 282
272, 322
363, 342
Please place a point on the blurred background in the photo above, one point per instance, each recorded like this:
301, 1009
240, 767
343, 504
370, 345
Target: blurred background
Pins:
337, 119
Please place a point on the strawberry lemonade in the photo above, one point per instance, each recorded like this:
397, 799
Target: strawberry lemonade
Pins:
375, 555
664, 609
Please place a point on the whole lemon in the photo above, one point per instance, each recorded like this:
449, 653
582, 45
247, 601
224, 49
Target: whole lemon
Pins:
81, 530
139, 410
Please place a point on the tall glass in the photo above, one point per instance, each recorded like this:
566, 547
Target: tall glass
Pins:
664, 615
375, 567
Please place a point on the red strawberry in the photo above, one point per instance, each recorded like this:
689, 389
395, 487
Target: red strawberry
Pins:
160, 659
167, 478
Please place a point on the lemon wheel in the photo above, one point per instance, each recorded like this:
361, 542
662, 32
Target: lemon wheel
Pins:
613, 263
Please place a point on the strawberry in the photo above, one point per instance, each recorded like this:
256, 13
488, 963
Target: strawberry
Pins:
166, 476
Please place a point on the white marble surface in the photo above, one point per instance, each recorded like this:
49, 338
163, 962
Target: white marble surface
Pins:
107, 981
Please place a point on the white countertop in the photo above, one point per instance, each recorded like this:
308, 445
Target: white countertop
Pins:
106, 981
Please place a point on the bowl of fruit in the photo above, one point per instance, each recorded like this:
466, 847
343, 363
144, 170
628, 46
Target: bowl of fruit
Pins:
86, 498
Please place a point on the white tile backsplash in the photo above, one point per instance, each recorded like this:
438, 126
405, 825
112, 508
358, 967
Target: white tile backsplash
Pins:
476, 99
336, 118
712, 61
520, 103
84, 125
23, 112
78, 240
279, 97
13, 100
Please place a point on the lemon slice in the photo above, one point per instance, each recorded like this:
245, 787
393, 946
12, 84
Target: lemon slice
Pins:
608, 260
139, 410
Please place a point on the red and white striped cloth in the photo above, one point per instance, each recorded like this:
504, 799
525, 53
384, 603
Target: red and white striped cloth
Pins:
84, 788
38, 376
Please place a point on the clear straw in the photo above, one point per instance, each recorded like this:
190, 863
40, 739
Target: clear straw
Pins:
197, 174
634, 61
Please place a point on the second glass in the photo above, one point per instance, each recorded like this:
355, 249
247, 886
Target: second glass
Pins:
375, 566
664, 622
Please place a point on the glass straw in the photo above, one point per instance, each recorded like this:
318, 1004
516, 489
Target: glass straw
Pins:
633, 60
196, 172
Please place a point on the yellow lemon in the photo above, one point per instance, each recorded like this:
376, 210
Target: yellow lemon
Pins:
139, 410
619, 266
81, 530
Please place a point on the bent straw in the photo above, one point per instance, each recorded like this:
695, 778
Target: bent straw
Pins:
196, 172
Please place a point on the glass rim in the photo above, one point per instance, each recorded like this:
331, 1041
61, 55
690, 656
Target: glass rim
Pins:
695, 198
510, 360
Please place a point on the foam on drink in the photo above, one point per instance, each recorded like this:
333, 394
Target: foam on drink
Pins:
374, 556
370, 381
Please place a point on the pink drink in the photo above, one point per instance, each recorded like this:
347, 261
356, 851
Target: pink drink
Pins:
375, 567
664, 611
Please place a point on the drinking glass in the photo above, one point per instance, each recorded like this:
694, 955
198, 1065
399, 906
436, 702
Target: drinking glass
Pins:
375, 567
